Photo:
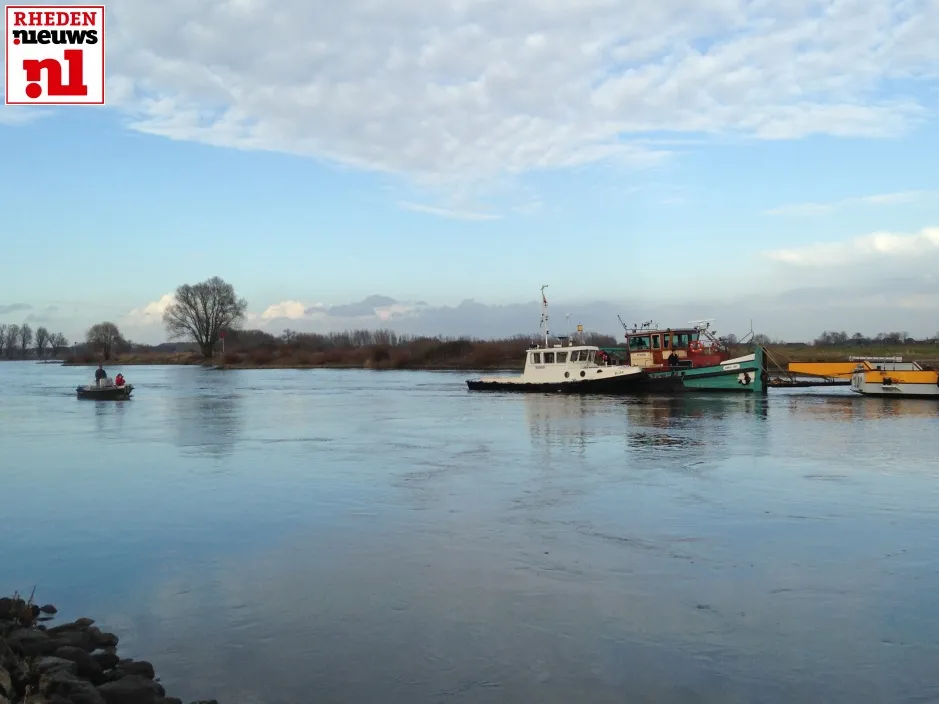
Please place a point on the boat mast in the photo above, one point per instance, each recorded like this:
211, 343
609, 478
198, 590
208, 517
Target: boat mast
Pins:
544, 315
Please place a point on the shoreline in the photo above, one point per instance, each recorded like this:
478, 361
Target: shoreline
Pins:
473, 357
69, 663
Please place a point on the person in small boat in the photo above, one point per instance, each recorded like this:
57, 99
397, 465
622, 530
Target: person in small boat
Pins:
100, 375
119, 380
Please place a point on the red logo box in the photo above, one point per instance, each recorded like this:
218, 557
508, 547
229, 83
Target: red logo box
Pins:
54, 54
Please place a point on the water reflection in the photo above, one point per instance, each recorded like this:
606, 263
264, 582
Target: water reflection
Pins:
108, 418
207, 414
859, 408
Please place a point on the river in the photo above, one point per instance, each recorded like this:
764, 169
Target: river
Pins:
363, 536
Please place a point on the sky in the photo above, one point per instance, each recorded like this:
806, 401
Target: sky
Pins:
428, 166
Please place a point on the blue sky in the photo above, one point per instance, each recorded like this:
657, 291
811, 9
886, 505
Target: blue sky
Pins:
483, 151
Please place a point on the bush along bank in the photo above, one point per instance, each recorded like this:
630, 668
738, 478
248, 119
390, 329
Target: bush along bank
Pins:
72, 663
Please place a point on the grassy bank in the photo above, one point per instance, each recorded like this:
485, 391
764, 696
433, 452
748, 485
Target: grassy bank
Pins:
423, 354
462, 354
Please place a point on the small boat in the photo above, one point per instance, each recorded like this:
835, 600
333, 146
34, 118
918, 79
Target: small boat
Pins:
574, 368
691, 359
107, 391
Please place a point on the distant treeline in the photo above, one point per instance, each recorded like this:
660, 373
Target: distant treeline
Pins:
21, 342
842, 339
369, 348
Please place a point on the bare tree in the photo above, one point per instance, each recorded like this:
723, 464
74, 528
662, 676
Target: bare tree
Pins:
12, 338
3, 338
26, 338
202, 311
104, 337
42, 339
57, 341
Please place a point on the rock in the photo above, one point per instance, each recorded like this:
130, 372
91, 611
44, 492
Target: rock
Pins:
4, 700
107, 659
132, 689
74, 639
88, 666
29, 642
79, 625
48, 609
70, 687
168, 700
8, 606
6, 683
139, 667
102, 640
47, 664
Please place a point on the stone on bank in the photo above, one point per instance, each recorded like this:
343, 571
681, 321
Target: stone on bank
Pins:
72, 663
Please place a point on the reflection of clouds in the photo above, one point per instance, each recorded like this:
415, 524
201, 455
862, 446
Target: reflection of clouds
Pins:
524, 551
399, 613
207, 414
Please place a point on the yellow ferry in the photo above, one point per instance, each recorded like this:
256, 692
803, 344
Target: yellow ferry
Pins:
889, 376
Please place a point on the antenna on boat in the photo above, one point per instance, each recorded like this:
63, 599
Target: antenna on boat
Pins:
544, 315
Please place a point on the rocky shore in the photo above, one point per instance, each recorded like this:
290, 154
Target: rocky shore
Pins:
71, 663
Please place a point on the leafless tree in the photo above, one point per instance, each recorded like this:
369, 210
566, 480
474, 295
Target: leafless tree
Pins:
26, 338
12, 338
104, 337
56, 342
42, 339
3, 338
202, 311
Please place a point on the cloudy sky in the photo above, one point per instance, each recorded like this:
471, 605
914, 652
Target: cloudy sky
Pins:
437, 162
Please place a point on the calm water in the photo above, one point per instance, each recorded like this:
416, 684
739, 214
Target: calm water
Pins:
355, 536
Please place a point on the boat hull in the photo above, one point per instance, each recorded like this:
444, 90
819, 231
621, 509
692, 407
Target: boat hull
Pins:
747, 374
612, 385
896, 384
108, 393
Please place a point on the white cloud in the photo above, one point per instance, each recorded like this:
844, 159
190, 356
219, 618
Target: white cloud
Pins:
807, 209
21, 114
150, 314
447, 212
875, 248
459, 91
292, 310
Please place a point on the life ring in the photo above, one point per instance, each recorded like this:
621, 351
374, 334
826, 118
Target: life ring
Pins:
696, 346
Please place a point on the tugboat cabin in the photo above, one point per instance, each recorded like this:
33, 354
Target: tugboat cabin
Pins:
681, 348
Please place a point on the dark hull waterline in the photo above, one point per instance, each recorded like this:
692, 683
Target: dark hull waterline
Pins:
622, 384
111, 393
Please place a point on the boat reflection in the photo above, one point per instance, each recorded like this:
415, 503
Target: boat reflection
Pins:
647, 421
854, 407
693, 421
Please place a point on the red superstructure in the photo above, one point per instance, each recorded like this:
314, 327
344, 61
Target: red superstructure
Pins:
656, 348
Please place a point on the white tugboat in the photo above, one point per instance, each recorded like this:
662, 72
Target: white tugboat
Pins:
572, 368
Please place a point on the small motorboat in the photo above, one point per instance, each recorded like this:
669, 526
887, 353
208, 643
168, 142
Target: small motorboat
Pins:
107, 390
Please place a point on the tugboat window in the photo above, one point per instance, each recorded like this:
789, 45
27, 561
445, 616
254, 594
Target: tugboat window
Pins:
639, 342
575, 356
536, 357
655, 342
549, 357
590, 355
562, 357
